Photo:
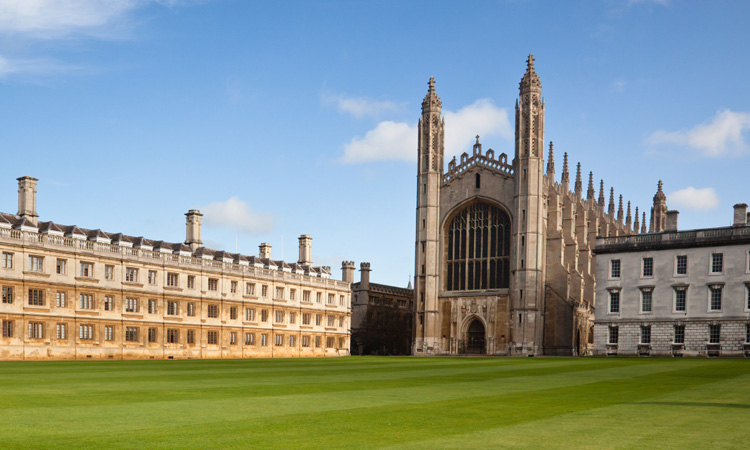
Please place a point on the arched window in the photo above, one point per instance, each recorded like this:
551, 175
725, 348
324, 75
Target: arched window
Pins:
478, 240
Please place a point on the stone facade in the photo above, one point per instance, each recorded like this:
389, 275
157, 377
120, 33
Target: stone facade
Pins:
382, 315
673, 292
74, 293
503, 260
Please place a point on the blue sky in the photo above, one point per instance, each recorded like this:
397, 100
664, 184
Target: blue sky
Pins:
283, 118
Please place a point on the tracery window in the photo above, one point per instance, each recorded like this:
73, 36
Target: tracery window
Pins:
478, 255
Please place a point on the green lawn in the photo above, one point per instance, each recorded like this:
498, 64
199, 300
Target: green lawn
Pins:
377, 402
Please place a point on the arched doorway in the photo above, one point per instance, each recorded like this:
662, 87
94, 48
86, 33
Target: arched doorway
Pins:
475, 338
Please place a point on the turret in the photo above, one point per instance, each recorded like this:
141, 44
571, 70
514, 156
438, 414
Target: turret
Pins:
305, 250
527, 265
659, 211
430, 151
347, 271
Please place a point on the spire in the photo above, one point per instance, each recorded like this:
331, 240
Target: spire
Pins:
660, 193
530, 80
628, 218
611, 208
590, 192
619, 211
551, 162
637, 224
579, 183
565, 175
601, 195
431, 100
643, 224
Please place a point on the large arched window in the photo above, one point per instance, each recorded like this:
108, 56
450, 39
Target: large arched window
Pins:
478, 240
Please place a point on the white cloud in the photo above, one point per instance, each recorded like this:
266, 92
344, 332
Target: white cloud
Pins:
388, 140
619, 86
481, 118
398, 140
696, 199
54, 18
10, 67
237, 215
658, 2
723, 135
358, 106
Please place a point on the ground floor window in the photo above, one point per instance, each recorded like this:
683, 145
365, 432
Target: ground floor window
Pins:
152, 334
645, 335
62, 331
232, 338
679, 334
173, 336
614, 335
36, 330
306, 339
109, 333
279, 340
329, 342
190, 336
86, 332
7, 328
213, 337
249, 338
263, 340
131, 334
714, 334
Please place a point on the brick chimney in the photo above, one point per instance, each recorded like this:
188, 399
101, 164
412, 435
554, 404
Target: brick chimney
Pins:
671, 224
193, 229
740, 214
305, 250
265, 250
27, 199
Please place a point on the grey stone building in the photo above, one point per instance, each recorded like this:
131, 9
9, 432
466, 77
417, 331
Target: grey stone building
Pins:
673, 292
382, 315
503, 251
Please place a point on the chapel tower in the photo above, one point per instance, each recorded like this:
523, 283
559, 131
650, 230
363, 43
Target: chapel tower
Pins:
528, 262
427, 262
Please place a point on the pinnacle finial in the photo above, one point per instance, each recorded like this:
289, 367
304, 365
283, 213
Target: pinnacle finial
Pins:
551, 161
611, 209
530, 62
637, 224
431, 101
477, 139
590, 192
579, 182
619, 210
628, 217
601, 194
643, 224
565, 175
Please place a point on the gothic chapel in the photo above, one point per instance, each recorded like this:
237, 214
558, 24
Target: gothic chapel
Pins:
504, 262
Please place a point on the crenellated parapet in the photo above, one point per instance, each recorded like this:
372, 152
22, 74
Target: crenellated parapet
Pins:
478, 159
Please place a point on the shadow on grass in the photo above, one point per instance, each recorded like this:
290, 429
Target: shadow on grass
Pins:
711, 405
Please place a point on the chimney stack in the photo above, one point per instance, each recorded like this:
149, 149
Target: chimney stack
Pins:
27, 199
740, 214
193, 229
305, 249
347, 271
265, 250
671, 220
364, 275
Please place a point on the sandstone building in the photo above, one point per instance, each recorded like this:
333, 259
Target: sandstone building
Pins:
671, 292
382, 315
73, 293
503, 256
